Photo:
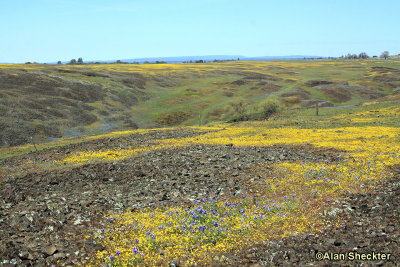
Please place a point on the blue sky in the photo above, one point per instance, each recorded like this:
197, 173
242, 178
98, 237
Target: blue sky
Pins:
51, 30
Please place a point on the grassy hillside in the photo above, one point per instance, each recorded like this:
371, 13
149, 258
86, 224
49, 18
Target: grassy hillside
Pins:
46, 102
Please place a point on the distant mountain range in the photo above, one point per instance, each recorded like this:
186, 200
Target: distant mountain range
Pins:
204, 58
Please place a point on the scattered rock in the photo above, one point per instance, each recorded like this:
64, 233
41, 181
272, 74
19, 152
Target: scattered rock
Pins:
59, 256
363, 231
59, 213
50, 250
174, 263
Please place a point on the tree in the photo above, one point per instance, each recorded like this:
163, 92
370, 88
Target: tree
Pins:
73, 61
59, 62
351, 56
363, 55
80, 61
385, 54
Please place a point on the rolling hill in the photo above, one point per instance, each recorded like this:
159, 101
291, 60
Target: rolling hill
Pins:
45, 102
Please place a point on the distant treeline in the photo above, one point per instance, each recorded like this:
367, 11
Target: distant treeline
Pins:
215, 60
80, 62
362, 55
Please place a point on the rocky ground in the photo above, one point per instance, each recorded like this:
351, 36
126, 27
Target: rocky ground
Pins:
372, 226
44, 216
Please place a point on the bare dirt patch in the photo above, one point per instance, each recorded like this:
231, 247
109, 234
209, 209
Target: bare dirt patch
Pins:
299, 93
312, 83
267, 87
344, 93
163, 81
337, 94
173, 118
251, 77
135, 80
386, 74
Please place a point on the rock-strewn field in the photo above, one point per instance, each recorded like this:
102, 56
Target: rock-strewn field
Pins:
45, 216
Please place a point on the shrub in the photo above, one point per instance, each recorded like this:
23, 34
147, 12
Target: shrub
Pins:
240, 112
262, 110
268, 107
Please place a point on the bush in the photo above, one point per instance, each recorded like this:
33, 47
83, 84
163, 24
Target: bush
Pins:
241, 110
268, 107
260, 111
